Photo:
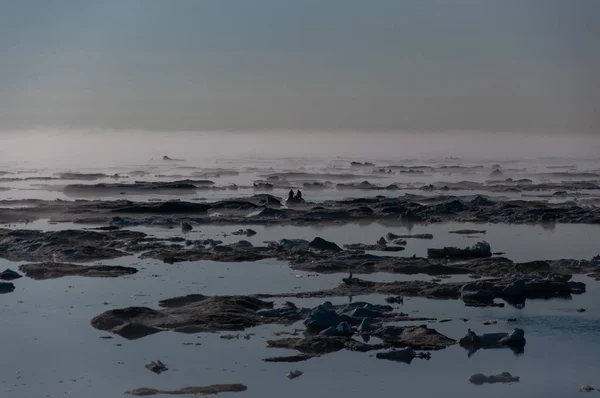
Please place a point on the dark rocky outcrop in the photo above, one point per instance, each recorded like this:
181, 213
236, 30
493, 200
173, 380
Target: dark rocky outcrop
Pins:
468, 231
139, 187
9, 275
163, 208
416, 236
291, 358
479, 293
58, 270
245, 232
357, 287
504, 377
189, 315
367, 247
196, 391
70, 245
368, 263
321, 244
431, 209
323, 317
157, 367
6, 287
337, 320
479, 250
514, 340
343, 329
416, 337
520, 288
83, 176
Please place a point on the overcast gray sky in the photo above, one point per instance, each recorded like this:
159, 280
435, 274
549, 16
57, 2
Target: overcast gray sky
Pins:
491, 65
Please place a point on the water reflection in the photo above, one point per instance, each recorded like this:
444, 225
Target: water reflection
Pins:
548, 225
471, 350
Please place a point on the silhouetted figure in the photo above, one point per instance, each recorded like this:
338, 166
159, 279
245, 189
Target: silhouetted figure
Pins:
291, 195
298, 195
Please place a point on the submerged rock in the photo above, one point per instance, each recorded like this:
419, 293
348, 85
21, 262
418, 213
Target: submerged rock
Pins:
504, 377
58, 270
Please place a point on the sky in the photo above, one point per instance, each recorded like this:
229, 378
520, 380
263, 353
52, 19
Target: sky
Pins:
318, 65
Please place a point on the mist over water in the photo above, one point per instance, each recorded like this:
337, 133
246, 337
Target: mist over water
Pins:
166, 136
105, 148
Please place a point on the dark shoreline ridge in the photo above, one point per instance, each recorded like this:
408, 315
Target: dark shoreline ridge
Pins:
267, 209
319, 255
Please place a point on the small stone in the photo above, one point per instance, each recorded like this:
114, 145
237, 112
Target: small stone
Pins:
586, 388
157, 367
294, 374
504, 377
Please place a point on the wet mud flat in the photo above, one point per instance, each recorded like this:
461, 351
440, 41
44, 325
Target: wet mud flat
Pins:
384, 324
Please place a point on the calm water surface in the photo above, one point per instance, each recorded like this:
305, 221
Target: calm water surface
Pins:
51, 350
